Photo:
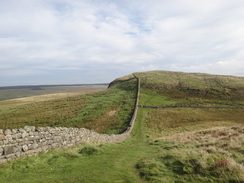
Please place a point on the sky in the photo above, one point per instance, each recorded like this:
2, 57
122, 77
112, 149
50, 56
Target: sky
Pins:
96, 41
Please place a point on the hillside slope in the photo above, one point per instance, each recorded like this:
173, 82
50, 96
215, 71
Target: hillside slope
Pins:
167, 145
202, 141
194, 88
107, 111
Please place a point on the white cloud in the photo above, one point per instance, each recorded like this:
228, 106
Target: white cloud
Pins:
225, 67
189, 35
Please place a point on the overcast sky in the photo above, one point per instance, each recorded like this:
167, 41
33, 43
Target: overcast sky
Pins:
96, 41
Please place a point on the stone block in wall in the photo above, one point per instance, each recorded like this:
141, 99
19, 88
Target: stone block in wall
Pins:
10, 156
1, 131
24, 148
2, 137
18, 135
1, 151
42, 143
18, 154
31, 138
24, 134
21, 130
33, 146
8, 137
14, 131
30, 128
17, 149
22, 143
7, 132
5, 142
8, 150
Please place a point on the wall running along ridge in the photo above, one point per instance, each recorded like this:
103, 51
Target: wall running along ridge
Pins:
31, 140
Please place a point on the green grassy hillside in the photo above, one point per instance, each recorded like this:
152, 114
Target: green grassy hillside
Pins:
168, 145
191, 89
201, 144
107, 111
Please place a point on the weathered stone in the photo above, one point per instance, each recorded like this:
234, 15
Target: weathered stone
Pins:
24, 134
30, 128
7, 132
14, 131
2, 137
18, 135
8, 137
24, 148
1, 151
8, 150
17, 149
21, 130
30, 138
18, 154
10, 156
1, 131
33, 146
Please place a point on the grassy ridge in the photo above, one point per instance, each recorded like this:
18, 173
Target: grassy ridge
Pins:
167, 145
199, 145
192, 87
107, 111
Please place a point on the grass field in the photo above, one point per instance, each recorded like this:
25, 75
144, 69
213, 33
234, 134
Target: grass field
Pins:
138, 159
107, 111
178, 145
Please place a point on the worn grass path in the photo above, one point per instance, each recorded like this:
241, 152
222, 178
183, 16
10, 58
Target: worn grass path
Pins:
113, 162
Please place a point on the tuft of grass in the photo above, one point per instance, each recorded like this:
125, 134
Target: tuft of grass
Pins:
88, 150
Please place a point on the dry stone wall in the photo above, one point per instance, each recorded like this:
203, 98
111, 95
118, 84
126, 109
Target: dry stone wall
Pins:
31, 140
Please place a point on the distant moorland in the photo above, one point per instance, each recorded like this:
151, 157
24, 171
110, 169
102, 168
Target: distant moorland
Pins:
11, 92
